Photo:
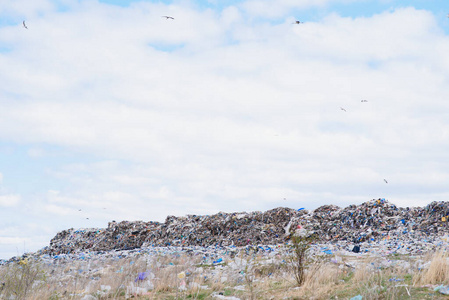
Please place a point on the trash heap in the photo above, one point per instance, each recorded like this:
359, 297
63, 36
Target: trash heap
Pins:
374, 220
222, 229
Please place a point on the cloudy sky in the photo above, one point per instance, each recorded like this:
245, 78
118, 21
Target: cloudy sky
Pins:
108, 111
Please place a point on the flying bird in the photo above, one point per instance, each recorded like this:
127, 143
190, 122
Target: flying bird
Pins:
297, 22
364, 100
343, 109
168, 17
385, 181
24, 25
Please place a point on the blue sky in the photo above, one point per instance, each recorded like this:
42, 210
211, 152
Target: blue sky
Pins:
111, 112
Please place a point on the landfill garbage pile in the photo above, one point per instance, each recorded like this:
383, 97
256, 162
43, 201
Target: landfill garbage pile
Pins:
124, 236
222, 229
375, 220
378, 219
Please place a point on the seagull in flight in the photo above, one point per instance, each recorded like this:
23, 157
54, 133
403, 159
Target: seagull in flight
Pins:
364, 100
343, 109
168, 17
24, 25
385, 181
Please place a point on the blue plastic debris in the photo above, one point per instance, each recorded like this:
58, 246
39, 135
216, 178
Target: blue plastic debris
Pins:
218, 261
444, 290
141, 276
395, 279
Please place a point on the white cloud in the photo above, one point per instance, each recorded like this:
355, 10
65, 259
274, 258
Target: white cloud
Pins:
23, 9
35, 152
58, 210
278, 8
245, 103
412, 35
9, 200
10, 240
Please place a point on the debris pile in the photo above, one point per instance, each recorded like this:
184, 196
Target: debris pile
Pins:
375, 220
222, 229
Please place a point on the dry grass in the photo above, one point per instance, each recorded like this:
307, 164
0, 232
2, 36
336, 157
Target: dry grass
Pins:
438, 271
251, 278
320, 281
363, 272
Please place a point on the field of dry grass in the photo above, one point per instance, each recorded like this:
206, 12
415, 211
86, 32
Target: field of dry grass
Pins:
242, 276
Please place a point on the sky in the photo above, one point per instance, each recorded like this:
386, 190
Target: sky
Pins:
109, 111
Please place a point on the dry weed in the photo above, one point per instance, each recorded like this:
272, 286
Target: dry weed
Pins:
438, 271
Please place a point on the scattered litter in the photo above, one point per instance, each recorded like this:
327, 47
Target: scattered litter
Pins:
395, 279
105, 288
142, 276
215, 295
218, 261
136, 290
443, 290
182, 286
408, 291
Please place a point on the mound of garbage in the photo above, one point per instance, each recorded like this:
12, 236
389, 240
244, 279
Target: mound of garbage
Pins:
374, 220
